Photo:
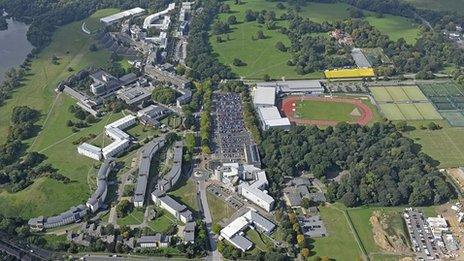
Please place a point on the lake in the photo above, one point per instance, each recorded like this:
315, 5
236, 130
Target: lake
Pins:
14, 46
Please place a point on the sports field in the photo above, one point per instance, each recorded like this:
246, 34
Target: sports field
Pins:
448, 98
320, 110
404, 103
324, 111
71, 46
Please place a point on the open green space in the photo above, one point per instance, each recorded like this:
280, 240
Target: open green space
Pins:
322, 110
71, 46
162, 223
186, 191
93, 23
141, 132
261, 242
439, 5
133, 218
219, 208
396, 27
340, 243
260, 57
445, 145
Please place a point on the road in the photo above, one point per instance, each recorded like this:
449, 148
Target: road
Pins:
23, 251
214, 254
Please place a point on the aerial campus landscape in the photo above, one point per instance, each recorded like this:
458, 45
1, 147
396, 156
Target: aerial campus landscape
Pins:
232, 130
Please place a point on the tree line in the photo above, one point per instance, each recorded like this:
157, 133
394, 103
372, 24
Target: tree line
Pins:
384, 168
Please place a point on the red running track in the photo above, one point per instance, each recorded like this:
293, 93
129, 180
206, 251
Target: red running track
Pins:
286, 108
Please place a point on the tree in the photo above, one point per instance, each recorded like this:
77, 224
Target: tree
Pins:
305, 252
232, 20
432, 126
266, 77
402, 126
260, 34
280, 46
164, 95
250, 15
300, 239
238, 62
216, 228
93, 48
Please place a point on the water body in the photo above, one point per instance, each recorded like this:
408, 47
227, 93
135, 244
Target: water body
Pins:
14, 46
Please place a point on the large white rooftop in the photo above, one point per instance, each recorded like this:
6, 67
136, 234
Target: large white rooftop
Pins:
264, 96
121, 15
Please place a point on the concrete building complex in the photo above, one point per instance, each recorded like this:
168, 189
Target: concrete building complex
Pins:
112, 19
144, 170
233, 232
250, 181
312, 87
149, 20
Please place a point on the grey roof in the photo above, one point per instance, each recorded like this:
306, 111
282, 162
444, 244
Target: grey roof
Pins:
294, 86
264, 95
90, 147
185, 97
294, 198
133, 95
172, 203
252, 154
187, 214
262, 222
241, 242
303, 190
359, 58
312, 226
128, 78
149, 239
189, 232
317, 197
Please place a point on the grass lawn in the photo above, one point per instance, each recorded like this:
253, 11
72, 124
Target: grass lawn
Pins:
218, 208
133, 218
340, 244
439, 5
162, 223
186, 192
260, 241
71, 46
140, 132
396, 27
261, 56
93, 23
445, 145
320, 110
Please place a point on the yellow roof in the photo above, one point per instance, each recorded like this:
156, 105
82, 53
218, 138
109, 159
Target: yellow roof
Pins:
349, 73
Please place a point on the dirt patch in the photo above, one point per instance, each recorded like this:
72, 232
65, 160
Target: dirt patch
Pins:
387, 237
458, 176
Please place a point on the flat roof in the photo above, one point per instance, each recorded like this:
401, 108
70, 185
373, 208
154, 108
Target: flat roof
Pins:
91, 148
264, 95
349, 73
359, 58
115, 17
294, 86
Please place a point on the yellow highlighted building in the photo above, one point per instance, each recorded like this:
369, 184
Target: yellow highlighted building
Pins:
349, 73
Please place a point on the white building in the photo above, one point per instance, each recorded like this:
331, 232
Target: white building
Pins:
233, 232
170, 205
109, 20
121, 139
252, 182
90, 151
256, 193
270, 118
149, 20
264, 96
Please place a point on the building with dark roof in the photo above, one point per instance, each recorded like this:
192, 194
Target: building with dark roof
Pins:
95, 202
170, 179
178, 210
74, 214
189, 232
144, 170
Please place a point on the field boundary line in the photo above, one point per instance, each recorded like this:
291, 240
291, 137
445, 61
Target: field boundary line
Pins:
353, 231
45, 121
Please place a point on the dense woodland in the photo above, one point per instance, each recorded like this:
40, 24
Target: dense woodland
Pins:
384, 167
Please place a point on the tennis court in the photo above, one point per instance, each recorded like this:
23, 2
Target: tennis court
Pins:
448, 99
404, 103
